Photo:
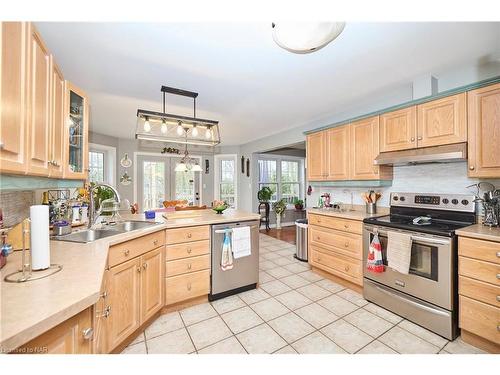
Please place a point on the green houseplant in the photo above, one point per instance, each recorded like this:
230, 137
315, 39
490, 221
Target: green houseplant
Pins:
265, 194
279, 208
299, 204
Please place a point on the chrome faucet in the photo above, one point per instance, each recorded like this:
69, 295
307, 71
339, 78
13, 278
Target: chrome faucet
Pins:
93, 215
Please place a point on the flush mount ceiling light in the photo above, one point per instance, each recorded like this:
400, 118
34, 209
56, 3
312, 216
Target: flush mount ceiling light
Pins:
305, 37
167, 127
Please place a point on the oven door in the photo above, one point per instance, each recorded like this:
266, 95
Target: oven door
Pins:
431, 275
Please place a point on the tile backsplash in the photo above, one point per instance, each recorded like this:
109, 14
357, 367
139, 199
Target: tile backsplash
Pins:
15, 205
424, 178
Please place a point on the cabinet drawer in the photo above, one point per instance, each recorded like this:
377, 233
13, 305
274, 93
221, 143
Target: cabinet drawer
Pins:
130, 249
479, 249
178, 267
184, 287
189, 249
479, 290
351, 226
338, 264
480, 319
180, 235
479, 270
342, 242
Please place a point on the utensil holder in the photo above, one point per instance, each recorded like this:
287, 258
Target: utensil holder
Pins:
371, 208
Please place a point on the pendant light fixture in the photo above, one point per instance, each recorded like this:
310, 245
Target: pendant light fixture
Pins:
187, 163
305, 37
166, 127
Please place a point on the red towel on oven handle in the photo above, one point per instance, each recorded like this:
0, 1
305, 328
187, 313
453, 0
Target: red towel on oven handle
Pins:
374, 262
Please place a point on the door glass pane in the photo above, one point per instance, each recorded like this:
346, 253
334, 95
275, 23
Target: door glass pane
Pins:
96, 166
184, 187
227, 170
227, 193
153, 185
76, 132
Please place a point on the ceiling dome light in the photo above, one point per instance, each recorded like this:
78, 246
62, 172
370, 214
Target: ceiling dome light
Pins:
305, 37
163, 128
147, 126
194, 132
180, 129
208, 133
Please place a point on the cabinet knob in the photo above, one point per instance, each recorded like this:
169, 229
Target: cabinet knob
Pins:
189, 250
413, 139
319, 259
189, 286
498, 298
471, 167
104, 294
139, 269
88, 333
498, 254
145, 266
346, 244
189, 235
419, 138
189, 266
1, 145
346, 268
346, 226
498, 276
155, 242
318, 238
126, 252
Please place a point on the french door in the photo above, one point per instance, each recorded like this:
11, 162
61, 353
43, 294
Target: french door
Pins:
157, 181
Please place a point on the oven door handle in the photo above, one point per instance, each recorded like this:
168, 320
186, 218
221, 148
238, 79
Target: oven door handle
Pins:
417, 305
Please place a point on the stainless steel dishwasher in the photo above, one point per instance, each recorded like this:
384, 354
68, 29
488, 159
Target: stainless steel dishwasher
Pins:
245, 272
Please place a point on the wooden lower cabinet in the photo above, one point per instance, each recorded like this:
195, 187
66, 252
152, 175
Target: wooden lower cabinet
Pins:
73, 336
152, 284
480, 319
188, 286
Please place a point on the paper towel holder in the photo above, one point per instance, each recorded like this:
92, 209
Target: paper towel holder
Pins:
26, 273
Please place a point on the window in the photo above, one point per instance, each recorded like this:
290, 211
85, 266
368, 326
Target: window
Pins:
184, 186
284, 177
153, 185
96, 166
226, 179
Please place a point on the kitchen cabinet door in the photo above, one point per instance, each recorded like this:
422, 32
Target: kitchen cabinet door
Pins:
124, 301
39, 105
484, 131
56, 145
102, 312
398, 130
316, 156
152, 282
364, 148
338, 153
442, 121
13, 96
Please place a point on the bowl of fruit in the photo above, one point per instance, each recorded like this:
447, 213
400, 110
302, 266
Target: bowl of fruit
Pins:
219, 206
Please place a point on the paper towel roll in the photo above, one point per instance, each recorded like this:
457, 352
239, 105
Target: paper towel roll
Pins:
39, 227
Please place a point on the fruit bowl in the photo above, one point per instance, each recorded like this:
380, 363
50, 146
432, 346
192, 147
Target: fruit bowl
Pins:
219, 207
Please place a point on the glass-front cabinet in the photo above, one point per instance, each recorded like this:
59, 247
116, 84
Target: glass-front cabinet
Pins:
76, 133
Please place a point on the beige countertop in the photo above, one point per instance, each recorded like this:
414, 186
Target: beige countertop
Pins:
359, 212
32, 308
481, 232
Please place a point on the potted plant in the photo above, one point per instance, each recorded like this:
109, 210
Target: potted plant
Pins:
279, 208
265, 194
299, 204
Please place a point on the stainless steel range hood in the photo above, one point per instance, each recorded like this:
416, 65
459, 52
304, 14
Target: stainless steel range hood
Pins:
437, 154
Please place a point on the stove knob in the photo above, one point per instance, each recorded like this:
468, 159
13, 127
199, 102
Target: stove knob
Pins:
395, 198
465, 202
402, 199
446, 200
454, 201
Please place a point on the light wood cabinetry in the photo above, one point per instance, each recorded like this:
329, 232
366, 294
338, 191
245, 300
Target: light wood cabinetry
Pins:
398, 130
13, 96
188, 264
479, 290
484, 131
338, 143
335, 246
73, 336
442, 121
56, 137
316, 155
152, 283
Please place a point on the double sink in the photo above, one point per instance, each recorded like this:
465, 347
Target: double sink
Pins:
90, 235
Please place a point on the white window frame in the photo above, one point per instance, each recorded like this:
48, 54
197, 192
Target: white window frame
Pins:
109, 161
217, 175
278, 160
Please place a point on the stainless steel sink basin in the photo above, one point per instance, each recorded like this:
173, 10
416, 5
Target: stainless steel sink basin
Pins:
127, 226
88, 235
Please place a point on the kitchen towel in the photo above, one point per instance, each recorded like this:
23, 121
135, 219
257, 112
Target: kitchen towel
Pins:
39, 237
226, 262
242, 246
399, 251
374, 261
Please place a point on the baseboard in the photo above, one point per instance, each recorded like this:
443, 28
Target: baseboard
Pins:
338, 280
479, 342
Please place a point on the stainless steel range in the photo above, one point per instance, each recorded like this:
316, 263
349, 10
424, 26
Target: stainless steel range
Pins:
427, 295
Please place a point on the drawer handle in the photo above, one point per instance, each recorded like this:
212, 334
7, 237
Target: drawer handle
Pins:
139, 269
189, 250
189, 266
346, 268
104, 294
145, 266
87, 333
126, 252
498, 298
346, 226
189, 286
498, 254
319, 258
498, 276
346, 244
155, 242
189, 235
318, 238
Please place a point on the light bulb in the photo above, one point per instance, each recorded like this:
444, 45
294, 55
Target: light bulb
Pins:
208, 133
163, 127
147, 126
194, 132
180, 129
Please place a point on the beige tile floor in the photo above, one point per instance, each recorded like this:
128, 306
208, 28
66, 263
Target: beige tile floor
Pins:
293, 311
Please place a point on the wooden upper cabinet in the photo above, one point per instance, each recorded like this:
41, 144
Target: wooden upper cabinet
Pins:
56, 145
39, 119
398, 130
152, 282
13, 96
484, 131
338, 141
364, 148
442, 121
316, 156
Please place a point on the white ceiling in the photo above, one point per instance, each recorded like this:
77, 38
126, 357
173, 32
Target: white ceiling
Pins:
253, 87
